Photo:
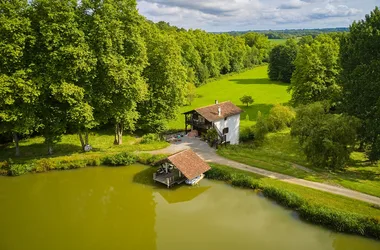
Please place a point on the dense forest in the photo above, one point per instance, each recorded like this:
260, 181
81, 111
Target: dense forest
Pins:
335, 86
71, 66
291, 33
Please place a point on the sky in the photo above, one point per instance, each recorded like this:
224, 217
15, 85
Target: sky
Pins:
241, 15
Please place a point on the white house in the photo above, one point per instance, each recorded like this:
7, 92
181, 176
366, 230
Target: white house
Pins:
224, 117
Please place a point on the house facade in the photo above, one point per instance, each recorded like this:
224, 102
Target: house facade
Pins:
224, 117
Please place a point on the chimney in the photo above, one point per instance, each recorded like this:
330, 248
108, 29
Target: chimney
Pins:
219, 111
216, 102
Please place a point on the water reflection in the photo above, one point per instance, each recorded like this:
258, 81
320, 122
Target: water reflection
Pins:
122, 208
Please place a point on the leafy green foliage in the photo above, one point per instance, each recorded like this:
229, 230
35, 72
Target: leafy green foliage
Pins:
281, 61
212, 136
246, 134
122, 159
166, 78
280, 117
261, 128
327, 139
316, 71
149, 138
18, 92
246, 99
360, 59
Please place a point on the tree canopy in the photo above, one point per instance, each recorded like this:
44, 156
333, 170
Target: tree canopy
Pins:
360, 78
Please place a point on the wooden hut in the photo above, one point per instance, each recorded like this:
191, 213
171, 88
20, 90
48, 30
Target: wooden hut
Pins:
183, 166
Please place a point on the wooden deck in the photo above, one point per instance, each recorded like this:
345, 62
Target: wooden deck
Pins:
168, 179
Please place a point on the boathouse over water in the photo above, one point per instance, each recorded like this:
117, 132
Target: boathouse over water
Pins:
183, 166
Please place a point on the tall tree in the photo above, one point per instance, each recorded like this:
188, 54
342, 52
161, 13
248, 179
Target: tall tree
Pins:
281, 61
63, 63
327, 139
360, 59
166, 78
115, 37
18, 93
316, 71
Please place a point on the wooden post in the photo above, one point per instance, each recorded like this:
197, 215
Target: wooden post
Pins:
167, 182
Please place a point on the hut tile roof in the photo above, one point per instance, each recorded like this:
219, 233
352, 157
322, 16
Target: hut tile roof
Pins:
189, 163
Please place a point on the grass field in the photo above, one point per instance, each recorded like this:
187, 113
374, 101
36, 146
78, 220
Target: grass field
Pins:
315, 197
280, 153
102, 142
278, 41
253, 82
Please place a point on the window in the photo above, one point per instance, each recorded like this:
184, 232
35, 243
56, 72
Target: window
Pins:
225, 131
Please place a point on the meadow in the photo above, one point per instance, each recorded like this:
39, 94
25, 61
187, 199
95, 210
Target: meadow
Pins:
252, 82
280, 152
278, 41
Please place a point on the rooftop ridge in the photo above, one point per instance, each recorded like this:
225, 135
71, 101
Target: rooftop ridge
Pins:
211, 105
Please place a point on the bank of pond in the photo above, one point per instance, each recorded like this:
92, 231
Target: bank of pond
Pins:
122, 208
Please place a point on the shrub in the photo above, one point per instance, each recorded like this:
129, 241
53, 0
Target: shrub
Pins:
44, 165
94, 162
122, 159
283, 197
4, 167
20, 169
261, 128
218, 174
327, 139
247, 134
212, 136
149, 159
280, 117
242, 180
149, 138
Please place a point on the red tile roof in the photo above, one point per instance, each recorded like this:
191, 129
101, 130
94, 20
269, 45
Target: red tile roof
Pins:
210, 113
189, 163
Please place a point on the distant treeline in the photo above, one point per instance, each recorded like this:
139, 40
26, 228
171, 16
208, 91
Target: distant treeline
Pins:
290, 33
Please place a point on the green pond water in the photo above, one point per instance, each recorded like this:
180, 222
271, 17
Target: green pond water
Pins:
120, 208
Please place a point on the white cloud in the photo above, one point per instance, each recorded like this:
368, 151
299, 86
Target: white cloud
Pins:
293, 4
333, 11
226, 15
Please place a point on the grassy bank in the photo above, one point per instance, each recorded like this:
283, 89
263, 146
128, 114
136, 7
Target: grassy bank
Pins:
332, 211
69, 155
281, 153
252, 82
9, 168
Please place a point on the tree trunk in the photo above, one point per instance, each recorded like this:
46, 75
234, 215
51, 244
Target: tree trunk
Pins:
118, 134
81, 140
86, 138
50, 149
16, 139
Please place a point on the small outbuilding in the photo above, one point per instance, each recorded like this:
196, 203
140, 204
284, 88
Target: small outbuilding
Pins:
185, 166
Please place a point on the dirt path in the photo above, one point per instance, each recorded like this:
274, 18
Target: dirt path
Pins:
209, 155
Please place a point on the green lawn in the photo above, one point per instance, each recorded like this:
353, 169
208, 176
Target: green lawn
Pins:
278, 41
102, 142
280, 151
253, 82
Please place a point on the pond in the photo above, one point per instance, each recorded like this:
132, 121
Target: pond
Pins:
120, 208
